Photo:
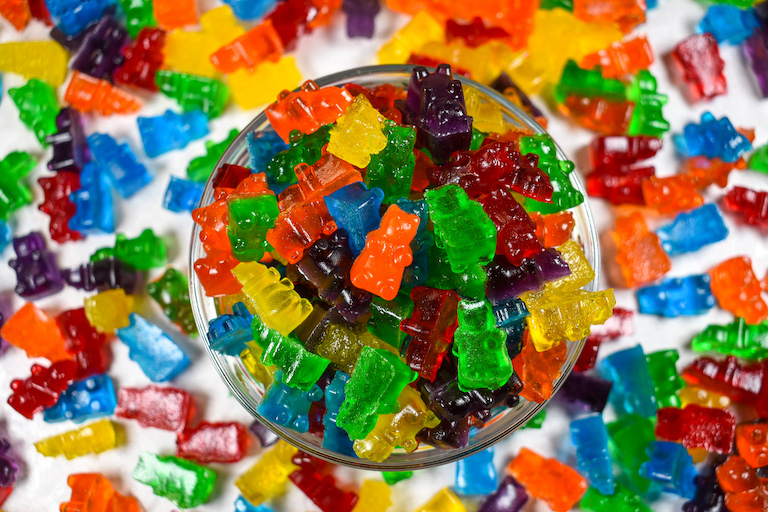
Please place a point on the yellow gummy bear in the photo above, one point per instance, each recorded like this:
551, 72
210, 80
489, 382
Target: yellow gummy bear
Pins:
422, 29
251, 358
251, 89
397, 429
703, 398
44, 60
558, 36
190, 52
358, 133
109, 310
485, 63
581, 274
266, 479
273, 298
443, 501
486, 116
94, 438
374, 496
342, 345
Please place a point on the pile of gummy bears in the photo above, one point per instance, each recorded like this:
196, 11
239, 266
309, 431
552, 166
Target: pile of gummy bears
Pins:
398, 267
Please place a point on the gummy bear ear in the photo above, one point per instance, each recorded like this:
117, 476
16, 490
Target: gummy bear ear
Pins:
420, 73
444, 69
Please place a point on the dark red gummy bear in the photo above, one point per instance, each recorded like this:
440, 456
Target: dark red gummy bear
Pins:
320, 488
42, 388
87, 345
697, 427
516, 233
58, 205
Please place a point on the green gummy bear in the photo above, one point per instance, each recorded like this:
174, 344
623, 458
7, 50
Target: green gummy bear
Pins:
477, 139
301, 368
469, 283
564, 195
537, 421
461, 227
250, 218
555, 4
386, 317
629, 436
373, 389
200, 168
666, 381
623, 500
171, 291
759, 159
391, 170
647, 116
588, 82
735, 339
38, 108
302, 149
144, 252
480, 347
194, 92
392, 477
185, 483
138, 14
13, 193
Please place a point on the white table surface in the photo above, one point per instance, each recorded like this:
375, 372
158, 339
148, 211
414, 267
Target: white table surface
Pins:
42, 483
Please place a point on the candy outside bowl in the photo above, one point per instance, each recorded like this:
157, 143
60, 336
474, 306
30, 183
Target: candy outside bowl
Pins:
249, 392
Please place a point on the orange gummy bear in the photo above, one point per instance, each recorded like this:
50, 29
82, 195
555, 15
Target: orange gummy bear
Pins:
671, 194
213, 220
538, 370
752, 443
627, 14
705, 172
554, 229
549, 480
738, 290
308, 109
260, 44
92, 492
88, 94
303, 215
639, 253
175, 13
35, 333
621, 58
215, 273
744, 490
17, 12
598, 114
380, 266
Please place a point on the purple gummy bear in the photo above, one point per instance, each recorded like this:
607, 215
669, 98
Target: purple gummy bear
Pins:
101, 51
70, 149
507, 281
102, 275
9, 470
448, 434
504, 82
326, 266
360, 17
756, 50
709, 495
584, 393
265, 436
37, 275
70, 43
435, 105
310, 331
509, 497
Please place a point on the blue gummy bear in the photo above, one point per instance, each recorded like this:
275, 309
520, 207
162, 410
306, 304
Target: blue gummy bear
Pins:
125, 174
74, 16
671, 466
728, 23
336, 439
692, 230
713, 138
688, 296
182, 195
228, 334
156, 353
632, 390
356, 209
262, 147
83, 400
510, 314
94, 211
6, 235
243, 505
590, 437
171, 131
288, 406
251, 9
476, 475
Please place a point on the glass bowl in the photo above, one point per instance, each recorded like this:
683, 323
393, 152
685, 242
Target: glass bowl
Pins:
249, 391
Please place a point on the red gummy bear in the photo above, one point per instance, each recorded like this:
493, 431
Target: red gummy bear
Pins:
87, 345
474, 33
750, 205
143, 59
516, 238
308, 109
621, 152
431, 327
319, 488
742, 383
213, 442
42, 388
698, 66
165, 408
620, 187
618, 325
58, 205
738, 290
697, 427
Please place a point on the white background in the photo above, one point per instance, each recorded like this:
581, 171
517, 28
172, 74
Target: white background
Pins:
42, 483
